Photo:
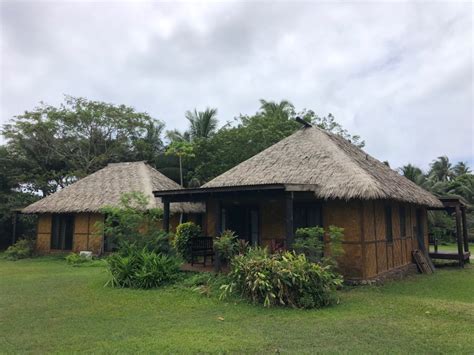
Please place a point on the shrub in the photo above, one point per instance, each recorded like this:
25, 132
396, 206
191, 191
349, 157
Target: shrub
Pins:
285, 279
132, 223
184, 233
22, 249
226, 246
310, 242
141, 269
76, 259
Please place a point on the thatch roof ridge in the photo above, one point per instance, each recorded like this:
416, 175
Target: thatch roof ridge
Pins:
335, 168
105, 187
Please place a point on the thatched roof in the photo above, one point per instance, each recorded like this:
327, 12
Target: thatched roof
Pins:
105, 187
328, 165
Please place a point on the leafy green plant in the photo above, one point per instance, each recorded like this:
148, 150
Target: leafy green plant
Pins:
285, 279
226, 245
182, 240
141, 269
75, 259
336, 234
22, 249
133, 225
310, 242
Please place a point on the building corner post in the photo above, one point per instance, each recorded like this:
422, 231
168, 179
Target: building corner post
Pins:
166, 216
289, 219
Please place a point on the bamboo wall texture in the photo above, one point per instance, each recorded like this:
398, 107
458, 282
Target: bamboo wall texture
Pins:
88, 234
367, 251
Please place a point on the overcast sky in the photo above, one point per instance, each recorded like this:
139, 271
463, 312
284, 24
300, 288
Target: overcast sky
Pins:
398, 74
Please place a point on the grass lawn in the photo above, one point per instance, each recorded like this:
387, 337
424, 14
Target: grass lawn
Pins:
49, 306
449, 247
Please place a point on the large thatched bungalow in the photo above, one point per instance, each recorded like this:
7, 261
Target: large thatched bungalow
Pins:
316, 178
68, 218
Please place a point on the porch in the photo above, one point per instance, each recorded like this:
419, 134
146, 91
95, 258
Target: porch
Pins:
261, 214
455, 207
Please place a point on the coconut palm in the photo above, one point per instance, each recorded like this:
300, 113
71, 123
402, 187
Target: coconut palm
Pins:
411, 172
282, 109
441, 169
202, 124
461, 168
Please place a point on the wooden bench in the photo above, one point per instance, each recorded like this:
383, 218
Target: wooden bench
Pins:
202, 246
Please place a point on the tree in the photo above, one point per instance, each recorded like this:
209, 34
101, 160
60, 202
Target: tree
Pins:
272, 122
11, 198
441, 169
461, 168
202, 124
53, 146
413, 173
182, 150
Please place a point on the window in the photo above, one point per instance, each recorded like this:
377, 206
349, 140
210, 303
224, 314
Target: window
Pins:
62, 231
388, 223
403, 221
306, 215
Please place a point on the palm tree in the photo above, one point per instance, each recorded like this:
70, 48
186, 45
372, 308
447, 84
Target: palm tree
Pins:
411, 172
282, 109
441, 169
461, 168
203, 124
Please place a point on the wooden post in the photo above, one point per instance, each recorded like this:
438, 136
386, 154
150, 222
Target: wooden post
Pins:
218, 222
464, 229
14, 226
459, 236
166, 216
289, 219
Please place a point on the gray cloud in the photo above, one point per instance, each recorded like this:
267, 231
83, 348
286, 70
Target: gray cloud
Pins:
399, 74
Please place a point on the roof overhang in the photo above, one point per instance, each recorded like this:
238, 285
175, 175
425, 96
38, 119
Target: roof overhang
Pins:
202, 193
450, 203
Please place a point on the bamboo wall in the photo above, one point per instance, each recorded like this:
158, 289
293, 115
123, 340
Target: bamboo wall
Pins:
367, 253
87, 232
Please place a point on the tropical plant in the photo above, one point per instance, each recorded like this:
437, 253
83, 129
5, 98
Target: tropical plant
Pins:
22, 249
182, 241
441, 169
182, 150
226, 245
75, 259
284, 279
460, 169
133, 223
202, 124
310, 242
412, 173
141, 269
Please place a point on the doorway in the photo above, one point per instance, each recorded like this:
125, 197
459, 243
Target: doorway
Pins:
243, 220
62, 231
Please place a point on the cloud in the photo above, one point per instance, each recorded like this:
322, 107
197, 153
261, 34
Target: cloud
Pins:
398, 74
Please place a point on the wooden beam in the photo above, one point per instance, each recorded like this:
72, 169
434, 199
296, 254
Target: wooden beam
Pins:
166, 216
289, 219
14, 226
464, 229
459, 236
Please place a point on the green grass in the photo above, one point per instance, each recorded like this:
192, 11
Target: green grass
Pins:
449, 247
49, 306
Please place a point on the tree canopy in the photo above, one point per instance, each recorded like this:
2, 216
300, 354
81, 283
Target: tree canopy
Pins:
53, 146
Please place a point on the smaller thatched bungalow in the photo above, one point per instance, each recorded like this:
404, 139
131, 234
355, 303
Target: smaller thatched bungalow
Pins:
314, 178
68, 218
